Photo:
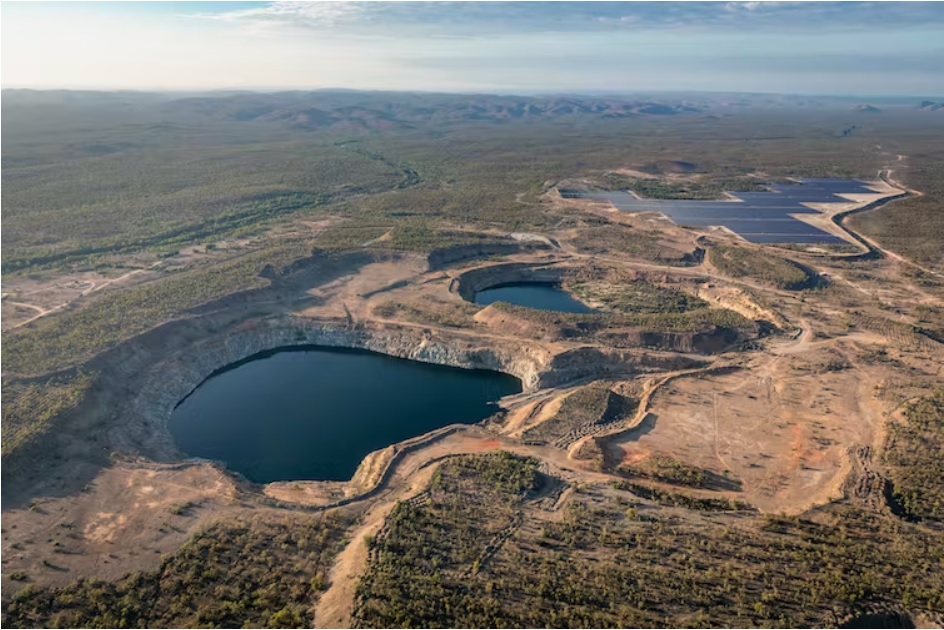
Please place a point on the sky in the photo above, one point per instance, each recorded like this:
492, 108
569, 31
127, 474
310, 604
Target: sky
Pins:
853, 48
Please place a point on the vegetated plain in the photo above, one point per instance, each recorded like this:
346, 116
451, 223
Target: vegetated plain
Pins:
126, 212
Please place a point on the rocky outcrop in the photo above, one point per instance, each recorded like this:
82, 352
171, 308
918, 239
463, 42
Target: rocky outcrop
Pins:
519, 321
710, 341
740, 301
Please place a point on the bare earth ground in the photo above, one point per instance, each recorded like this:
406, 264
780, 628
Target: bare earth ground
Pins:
125, 519
782, 420
781, 425
28, 298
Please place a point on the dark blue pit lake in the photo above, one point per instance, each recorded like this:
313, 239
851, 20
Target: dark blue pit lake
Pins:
759, 217
539, 295
314, 413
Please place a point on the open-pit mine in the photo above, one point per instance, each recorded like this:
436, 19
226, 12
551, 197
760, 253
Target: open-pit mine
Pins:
392, 422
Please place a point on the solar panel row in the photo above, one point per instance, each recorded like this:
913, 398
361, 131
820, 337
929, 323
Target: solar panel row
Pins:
759, 217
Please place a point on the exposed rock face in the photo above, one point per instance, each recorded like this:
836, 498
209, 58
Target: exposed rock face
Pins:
475, 280
706, 341
168, 380
714, 339
141, 380
710, 340
739, 301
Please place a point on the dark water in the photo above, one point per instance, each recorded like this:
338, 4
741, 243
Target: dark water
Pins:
880, 620
314, 413
540, 295
759, 217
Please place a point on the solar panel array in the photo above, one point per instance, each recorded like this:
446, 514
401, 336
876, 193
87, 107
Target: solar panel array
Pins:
759, 217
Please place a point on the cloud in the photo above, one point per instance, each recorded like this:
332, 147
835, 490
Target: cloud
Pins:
488, 18
287, 13
850, 47
753, 5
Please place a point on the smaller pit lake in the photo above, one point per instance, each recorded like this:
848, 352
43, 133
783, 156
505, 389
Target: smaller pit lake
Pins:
314, 413
543, 296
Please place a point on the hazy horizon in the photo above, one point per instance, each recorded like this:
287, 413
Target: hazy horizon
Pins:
856, 49
588, 93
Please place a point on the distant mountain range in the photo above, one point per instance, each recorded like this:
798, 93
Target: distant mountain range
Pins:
344, 110
930, 106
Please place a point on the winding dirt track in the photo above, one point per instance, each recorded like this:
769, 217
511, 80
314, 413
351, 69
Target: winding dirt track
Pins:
885, 176
43, 312
336, 605
649, 389
412, 475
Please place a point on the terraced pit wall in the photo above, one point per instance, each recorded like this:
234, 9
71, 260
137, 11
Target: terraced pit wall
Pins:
164, 383
471, 282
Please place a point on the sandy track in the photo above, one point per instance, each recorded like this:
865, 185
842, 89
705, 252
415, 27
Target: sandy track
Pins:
410, 477
650, 387
333, 609
95, 288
